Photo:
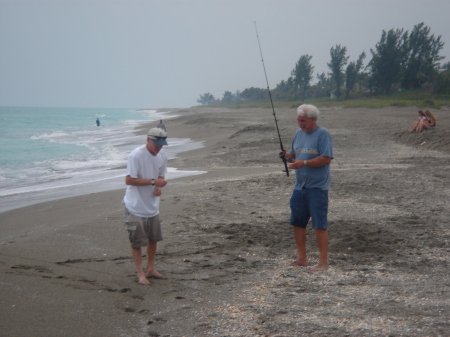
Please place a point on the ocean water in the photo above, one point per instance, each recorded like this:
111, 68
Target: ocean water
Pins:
52, 153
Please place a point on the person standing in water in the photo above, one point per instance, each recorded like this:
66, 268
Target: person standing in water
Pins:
161, 125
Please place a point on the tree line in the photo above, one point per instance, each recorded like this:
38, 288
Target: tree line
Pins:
401, 60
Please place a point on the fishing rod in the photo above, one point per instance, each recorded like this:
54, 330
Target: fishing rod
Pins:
273, 109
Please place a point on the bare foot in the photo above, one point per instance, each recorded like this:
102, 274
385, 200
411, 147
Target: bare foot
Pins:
155, 274
298, 264
320, 267
143, 281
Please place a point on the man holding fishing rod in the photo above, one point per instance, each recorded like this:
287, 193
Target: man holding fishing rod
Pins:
310, 157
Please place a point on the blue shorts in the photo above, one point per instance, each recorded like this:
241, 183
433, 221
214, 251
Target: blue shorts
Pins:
309, 203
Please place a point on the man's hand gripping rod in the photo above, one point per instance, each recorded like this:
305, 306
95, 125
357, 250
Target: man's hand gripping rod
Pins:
273, 109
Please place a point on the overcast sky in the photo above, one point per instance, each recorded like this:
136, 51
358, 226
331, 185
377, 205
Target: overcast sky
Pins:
165, 53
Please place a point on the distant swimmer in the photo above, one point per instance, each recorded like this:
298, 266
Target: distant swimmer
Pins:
97, 122
161, 125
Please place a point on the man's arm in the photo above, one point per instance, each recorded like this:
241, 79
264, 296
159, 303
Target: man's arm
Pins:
159, 182
287, 155
315, 162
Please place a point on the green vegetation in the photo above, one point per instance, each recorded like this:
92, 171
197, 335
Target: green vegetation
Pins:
418, 99
404, 70
339, 59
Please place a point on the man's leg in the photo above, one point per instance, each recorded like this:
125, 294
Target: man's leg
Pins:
300, 242
151, 254
299, 215
137, 258
319, 209
322, 242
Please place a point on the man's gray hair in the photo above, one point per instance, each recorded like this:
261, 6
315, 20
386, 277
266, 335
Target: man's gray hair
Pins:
309, 111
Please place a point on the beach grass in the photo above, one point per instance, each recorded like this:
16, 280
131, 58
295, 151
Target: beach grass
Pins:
401, 99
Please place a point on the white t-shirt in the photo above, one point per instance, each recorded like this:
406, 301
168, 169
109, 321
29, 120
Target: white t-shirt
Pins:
140, 200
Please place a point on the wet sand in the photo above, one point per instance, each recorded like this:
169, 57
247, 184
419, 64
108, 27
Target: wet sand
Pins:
66, 267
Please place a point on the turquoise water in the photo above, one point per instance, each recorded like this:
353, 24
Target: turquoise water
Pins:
32, 135
43, 151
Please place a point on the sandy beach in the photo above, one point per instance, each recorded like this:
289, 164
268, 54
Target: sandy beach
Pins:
66, 266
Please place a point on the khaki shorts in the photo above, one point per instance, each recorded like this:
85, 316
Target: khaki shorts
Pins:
142, 231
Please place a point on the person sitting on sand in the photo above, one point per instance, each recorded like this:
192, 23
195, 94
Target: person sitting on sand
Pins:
146, 168
421, 118
310, 156
429, 123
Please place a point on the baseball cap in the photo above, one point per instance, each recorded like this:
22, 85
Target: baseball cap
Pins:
158, 136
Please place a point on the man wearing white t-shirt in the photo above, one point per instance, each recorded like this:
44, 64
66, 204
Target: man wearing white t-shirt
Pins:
146, 168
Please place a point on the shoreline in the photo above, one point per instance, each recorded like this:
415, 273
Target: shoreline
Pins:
67, 269
95, 181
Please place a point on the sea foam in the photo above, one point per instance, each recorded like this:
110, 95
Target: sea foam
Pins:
60, 152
